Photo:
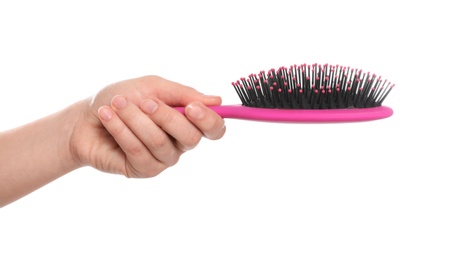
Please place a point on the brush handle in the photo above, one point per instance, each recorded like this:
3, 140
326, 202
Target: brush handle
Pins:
300, 115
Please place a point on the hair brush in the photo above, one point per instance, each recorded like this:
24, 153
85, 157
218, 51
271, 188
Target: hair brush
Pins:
309, 93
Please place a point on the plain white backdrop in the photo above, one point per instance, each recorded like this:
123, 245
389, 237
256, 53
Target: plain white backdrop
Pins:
387, 189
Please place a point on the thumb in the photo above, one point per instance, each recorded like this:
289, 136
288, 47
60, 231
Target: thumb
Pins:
176, 94
186, 95
208, 100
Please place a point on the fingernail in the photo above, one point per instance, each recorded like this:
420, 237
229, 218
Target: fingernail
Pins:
105, 113
148, 106
194, 111
119, 102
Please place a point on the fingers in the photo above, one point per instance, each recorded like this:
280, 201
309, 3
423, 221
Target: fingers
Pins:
210, 124
135, 152
156, 139
153, 135
148, 149
185, 135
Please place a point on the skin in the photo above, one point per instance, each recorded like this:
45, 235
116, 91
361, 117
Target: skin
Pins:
128, 128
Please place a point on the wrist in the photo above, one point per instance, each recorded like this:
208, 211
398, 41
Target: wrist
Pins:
71, 118
75, 117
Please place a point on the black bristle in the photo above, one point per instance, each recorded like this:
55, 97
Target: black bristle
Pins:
313, 86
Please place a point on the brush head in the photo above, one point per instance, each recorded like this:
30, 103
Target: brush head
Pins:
313, 87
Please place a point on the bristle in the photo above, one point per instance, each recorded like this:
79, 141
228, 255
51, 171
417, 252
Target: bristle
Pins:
313, 86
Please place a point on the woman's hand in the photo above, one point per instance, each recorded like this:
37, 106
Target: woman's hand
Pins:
130, 127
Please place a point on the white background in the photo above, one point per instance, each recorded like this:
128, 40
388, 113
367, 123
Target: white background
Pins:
387, 189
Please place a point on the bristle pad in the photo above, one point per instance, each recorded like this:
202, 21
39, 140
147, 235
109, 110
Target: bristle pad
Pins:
313, 87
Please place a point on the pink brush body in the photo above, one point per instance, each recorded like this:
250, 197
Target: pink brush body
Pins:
301, 115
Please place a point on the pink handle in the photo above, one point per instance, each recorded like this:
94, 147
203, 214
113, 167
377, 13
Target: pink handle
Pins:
301, 115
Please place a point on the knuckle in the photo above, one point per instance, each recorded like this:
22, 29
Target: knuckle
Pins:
159, 142
172, 159
135, 150
166, 118
116, 130
149, 170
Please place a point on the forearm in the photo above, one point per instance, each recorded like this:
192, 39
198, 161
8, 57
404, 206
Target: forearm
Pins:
36, 154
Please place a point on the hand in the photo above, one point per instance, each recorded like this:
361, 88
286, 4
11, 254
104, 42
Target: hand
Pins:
130, 127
